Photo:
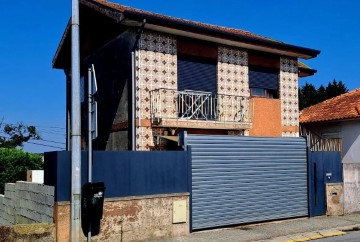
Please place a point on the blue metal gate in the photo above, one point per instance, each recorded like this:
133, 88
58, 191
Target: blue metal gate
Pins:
324, 167
246, 179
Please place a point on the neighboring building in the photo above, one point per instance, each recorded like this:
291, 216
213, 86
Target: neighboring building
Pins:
339, 119
188, 76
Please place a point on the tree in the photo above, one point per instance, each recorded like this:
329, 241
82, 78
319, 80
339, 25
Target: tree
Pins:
15, 135
309, 95
14, 163
321, 93
335, 89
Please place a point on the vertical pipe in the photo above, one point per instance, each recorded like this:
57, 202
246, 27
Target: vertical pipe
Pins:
133, 92
89, 138
90, 101
75, 124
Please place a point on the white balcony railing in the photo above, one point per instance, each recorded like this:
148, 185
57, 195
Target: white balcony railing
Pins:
196, 105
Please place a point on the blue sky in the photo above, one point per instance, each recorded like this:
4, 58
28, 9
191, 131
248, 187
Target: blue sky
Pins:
30, 31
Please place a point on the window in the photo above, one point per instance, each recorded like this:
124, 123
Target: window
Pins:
197, 85
196, 74
264, 82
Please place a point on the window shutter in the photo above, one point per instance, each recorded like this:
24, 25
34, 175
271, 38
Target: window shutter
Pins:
264, 79
196, 74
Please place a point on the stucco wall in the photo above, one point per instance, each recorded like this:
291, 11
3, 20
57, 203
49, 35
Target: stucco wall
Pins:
350, 135
351, 187
130, 219
266, 120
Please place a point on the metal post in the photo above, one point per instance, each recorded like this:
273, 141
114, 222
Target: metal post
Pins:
75, 125
89, 138
133, 117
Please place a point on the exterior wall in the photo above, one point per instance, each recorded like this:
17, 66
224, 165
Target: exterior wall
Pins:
350, 135
130, 219
28, 232
232, 79
156, 67
351, 187
288, 79
112, 64
266, 120
349, 132
26, 202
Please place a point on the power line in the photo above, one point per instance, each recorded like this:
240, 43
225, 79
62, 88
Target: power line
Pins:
45, 145
52, 141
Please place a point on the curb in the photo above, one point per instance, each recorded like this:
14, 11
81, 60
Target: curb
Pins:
320, 235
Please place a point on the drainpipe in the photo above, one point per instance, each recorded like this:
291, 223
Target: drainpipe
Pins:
133, 92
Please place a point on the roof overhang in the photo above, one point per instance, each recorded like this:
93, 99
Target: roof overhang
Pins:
172, 26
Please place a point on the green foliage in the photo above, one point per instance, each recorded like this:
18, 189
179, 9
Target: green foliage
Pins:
13, 136
309, 95
14, 163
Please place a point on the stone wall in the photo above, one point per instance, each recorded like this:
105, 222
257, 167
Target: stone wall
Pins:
26, 202
141, 218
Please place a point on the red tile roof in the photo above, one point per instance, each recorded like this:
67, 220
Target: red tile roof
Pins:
345, 106
310, 53
122, 8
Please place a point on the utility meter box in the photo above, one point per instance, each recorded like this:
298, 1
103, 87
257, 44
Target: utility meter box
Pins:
92, 202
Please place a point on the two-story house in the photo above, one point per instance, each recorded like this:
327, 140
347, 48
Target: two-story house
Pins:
158, 75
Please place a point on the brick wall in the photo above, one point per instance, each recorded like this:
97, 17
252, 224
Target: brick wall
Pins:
26, 202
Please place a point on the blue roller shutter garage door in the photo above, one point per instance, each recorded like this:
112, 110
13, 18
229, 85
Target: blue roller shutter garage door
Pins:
246, 179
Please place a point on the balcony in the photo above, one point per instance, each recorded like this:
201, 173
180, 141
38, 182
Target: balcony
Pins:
195, 109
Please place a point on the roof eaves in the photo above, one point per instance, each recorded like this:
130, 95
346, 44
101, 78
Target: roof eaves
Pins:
193, 26
66, 32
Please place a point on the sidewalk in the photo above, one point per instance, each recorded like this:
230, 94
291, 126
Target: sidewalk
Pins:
301, 229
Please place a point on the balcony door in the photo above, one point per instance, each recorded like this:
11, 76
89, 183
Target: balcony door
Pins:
197, 87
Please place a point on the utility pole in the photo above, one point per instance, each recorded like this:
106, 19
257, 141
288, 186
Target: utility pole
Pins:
75, 125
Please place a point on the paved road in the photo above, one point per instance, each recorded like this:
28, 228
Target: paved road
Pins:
353, 236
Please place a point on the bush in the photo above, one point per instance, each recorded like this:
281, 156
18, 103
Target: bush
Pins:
14, 163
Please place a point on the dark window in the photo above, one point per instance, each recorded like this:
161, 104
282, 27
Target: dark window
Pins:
196, 74
264, 82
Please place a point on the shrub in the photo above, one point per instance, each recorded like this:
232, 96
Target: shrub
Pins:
14, 163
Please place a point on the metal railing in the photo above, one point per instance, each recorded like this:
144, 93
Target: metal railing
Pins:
197, 105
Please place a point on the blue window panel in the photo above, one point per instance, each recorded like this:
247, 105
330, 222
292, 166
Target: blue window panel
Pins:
196, 74
265, 79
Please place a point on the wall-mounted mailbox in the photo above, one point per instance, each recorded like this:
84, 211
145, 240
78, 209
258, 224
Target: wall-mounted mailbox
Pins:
334, 199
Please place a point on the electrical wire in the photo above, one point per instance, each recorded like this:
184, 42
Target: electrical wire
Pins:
46, 145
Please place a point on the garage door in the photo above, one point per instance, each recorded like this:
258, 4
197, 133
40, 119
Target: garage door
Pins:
246, 179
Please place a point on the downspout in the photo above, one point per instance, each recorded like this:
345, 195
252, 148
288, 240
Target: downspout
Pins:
133, 91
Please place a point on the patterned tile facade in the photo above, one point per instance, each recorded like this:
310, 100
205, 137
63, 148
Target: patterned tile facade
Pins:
290, 134
289, 92
156, 67
233, 79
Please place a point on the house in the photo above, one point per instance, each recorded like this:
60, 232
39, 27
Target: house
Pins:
159, 75
338, 118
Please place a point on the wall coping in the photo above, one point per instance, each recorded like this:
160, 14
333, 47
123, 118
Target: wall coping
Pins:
115, 199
